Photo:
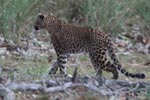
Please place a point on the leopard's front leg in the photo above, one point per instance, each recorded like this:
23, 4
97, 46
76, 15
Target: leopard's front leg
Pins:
60, 63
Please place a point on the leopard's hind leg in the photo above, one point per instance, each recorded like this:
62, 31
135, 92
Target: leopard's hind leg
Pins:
94, 57
100, 62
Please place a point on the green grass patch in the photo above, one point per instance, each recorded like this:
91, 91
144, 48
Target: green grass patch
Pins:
142, 9
14, 14
27, 70
107, 15
84, 57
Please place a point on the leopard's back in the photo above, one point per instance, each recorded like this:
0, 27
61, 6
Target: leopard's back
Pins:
74, 39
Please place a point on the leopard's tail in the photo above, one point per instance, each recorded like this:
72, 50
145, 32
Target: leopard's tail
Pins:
120, 68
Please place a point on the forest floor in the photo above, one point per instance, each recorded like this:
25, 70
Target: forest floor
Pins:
20, 65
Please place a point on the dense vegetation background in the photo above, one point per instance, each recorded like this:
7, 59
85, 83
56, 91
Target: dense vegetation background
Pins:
16, 16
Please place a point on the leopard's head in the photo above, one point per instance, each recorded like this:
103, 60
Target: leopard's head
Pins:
48, 22
39, 22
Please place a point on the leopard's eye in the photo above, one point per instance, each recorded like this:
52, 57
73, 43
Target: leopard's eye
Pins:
36, 28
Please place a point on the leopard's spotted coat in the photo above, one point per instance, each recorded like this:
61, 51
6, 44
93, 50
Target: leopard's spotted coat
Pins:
69, 39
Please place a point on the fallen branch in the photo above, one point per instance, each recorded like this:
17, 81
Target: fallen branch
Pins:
6, 93
102, 86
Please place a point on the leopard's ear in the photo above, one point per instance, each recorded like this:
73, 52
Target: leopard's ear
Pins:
41, 16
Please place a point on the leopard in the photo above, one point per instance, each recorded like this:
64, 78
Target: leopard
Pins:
72, 39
